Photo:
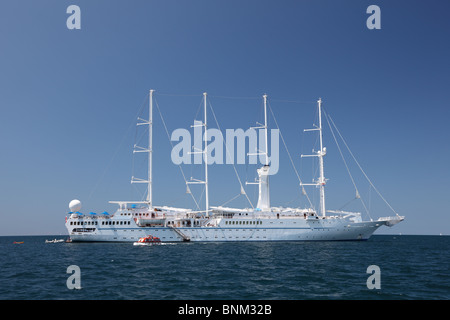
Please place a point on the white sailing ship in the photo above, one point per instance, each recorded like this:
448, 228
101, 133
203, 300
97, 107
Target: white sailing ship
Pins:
137, 219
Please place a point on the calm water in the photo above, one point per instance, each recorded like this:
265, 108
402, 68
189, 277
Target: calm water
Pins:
412, 267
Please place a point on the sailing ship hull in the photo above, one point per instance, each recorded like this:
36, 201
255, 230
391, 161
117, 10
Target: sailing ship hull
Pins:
243, 230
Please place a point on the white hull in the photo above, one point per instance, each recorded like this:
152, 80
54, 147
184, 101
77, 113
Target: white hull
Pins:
296, 229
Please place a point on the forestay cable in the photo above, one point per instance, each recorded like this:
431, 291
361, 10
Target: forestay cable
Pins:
346, 166
365, 175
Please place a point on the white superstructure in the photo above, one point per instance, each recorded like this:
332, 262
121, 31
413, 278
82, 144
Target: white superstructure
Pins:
135, 219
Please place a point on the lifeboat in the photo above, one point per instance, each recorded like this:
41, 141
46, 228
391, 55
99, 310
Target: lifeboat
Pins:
147, 241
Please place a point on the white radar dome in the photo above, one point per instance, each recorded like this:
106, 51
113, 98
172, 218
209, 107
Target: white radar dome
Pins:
75, 205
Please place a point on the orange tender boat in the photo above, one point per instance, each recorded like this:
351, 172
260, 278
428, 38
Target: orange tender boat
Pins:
148, 240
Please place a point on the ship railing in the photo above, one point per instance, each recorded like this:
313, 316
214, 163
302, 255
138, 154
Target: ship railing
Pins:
90, 217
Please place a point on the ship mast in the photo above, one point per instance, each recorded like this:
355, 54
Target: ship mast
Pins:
266, 151
320, 154
263, 172
205, 152
206, 158
149, 150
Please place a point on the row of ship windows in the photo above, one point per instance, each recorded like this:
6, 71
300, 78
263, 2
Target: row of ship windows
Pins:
243, 222
94, 223
235, 237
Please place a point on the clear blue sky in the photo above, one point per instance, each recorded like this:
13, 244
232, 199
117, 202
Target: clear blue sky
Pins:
69, 98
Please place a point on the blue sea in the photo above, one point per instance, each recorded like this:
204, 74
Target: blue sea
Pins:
410, 268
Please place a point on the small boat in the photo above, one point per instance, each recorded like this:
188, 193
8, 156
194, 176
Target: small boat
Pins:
54, 241
147, 241
17, 242
69, 240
